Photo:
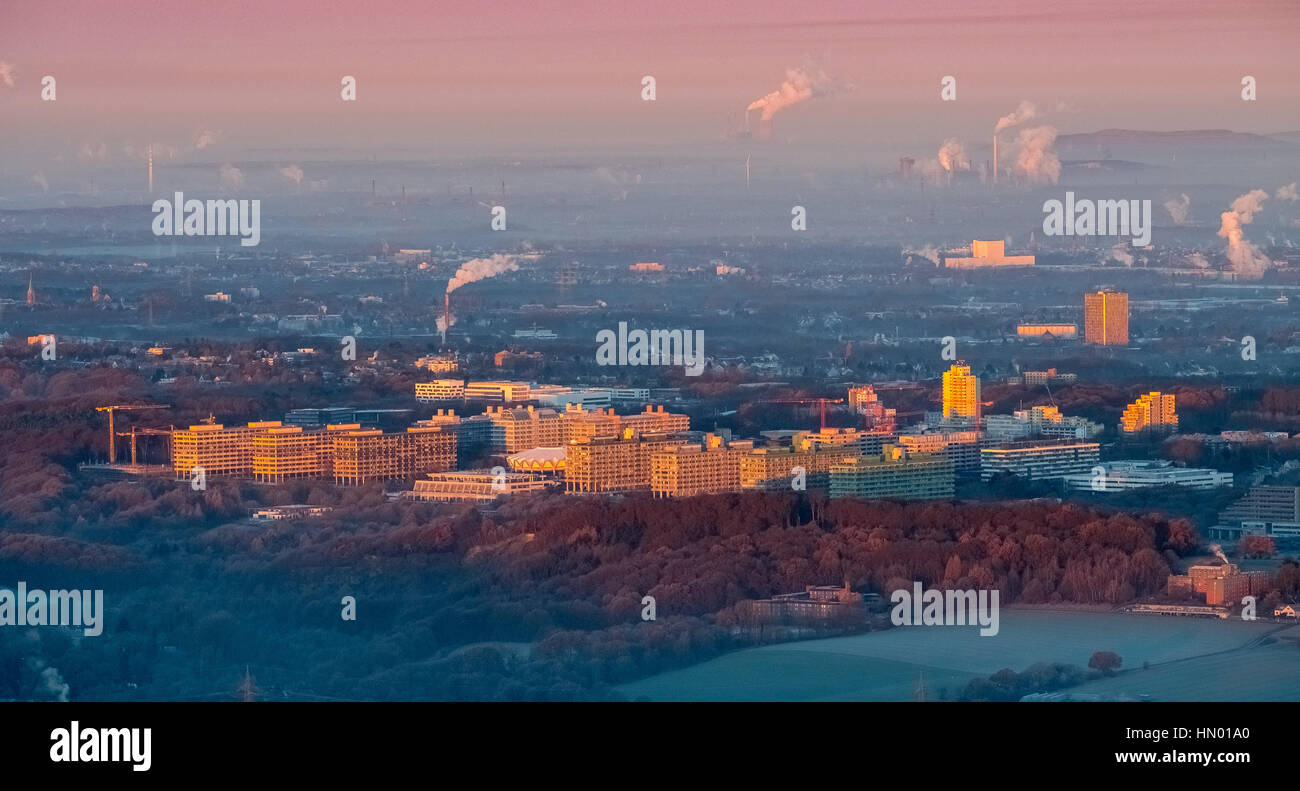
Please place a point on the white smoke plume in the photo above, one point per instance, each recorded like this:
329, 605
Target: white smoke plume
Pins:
1198, 261
39, 180
1218, 550
1246, 205
801, 84
1247, 259
1120, 253
204, 139
480, 269
292, 173
1037, 158
6, 74
1287, 193
1179, 208
232, 178
1026, 111
952, 156
51, 681
928, 252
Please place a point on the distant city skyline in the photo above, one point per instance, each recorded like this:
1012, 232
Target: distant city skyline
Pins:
208, 84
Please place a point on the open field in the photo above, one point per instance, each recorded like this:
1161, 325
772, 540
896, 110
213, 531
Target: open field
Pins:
887, 665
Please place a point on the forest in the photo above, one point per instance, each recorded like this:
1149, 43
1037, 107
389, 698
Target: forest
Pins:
537, 598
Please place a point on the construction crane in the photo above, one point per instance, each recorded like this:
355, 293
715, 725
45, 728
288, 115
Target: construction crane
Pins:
821, 402
112, 434
157, 432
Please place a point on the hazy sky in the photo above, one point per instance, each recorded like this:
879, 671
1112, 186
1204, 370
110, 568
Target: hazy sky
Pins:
520, 76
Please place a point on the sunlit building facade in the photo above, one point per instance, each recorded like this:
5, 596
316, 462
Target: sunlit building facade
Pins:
1153, 411
1105, 318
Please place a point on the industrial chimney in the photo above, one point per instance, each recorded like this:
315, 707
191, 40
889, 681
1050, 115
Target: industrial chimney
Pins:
446, 316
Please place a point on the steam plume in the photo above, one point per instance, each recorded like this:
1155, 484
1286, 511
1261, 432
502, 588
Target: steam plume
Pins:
1246, 258
1120, 253
800, 84
480, 269
232, 178
204, 139
39, 180
6, 74
292, 173
928, 252
1218, 550
952, 156
1287, 193
1037, 157
1179, 208
1026, 111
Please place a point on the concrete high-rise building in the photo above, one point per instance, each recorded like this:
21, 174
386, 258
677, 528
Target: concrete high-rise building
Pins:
215, 449
962, 448
895, 473
612, 464
1105, 318
519, 429
656, 420
289, 452
440, 390
1045, 421
473, 433
864, 401
1152, 411
583, 423
847, 441
1265, 511
773, 468
1039, 460
363, 456
710, 467
961, 392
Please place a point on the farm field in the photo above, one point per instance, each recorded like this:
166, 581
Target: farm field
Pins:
887, 665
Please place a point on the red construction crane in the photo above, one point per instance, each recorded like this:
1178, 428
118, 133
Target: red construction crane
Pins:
821, 402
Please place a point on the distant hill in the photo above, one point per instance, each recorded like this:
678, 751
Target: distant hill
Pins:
1194, 139
1108, 165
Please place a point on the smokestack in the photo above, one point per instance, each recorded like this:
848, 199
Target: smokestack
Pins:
446, 316
995, 157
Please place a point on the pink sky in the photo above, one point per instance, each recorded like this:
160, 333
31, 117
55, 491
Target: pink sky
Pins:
509, 74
